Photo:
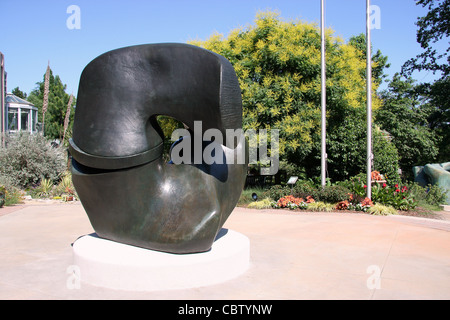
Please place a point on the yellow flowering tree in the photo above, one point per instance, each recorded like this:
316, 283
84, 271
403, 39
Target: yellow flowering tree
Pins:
278, 66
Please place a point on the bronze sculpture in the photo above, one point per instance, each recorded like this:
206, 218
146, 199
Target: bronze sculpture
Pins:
129, 192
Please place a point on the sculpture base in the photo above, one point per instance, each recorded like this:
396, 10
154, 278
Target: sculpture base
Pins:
119, 266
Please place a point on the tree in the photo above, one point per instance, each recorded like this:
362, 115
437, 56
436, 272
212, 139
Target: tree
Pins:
438, 106
57, 106
378, 59
404, 116
19, 93
278, 66
433, 28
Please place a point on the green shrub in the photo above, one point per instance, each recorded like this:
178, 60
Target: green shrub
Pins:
355, 184
431, 194
332, 194
64, 187
45, 188
27, 159
303, 189
9, 195
418, 192
276, 192
246, 195
13, 196
399, 197
435, 195
2, 196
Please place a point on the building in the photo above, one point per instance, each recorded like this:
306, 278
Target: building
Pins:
16, 114
2, 95
21, 115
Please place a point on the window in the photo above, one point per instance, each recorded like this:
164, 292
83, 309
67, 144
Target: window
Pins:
34, 120
13, 119
25, 120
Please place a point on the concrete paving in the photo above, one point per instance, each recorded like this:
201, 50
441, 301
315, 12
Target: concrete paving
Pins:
293, 256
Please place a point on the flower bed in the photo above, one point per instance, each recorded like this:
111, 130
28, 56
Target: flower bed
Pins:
291, 202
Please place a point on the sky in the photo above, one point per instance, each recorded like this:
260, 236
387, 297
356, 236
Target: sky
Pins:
34, 33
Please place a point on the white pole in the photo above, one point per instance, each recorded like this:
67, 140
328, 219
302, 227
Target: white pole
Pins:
323, 90
369, 102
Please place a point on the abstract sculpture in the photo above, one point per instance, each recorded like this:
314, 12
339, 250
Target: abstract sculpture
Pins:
130, 194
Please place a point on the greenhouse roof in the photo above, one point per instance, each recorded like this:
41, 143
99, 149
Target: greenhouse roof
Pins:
10, 98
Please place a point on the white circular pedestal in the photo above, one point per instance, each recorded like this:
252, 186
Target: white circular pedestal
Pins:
119, 266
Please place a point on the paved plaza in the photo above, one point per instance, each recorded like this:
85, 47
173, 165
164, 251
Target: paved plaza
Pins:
302, 255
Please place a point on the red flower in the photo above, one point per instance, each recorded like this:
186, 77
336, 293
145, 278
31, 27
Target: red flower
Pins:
384, 185
396, 185
397, 190
365, 186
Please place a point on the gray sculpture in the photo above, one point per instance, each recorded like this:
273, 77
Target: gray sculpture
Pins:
131, 195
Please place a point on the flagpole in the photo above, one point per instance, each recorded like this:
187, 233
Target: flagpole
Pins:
323, 91
369, 102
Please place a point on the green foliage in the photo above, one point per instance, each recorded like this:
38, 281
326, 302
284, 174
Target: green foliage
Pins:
381, 210
278, 66
332, 194
305, 188
64, 187
44, 189
9, 195
262, 204
386, 157
437, 110
356, 184
399, 197
27, 159
433, 27
246, 195
48, 189
58, 100
403, 117
2, 195
346, 143
168, 125
435, 195
19, 93
277, 191
319, 206
379, 61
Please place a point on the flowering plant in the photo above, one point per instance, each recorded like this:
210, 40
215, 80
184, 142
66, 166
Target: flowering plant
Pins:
398, 197
292, 202
342, 205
